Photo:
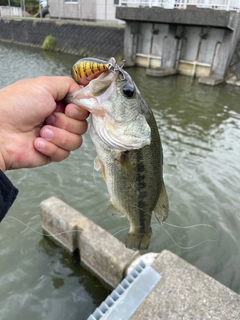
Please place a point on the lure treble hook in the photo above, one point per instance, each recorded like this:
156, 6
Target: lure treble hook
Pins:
113, 67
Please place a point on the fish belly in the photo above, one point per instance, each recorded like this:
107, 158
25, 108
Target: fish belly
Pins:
134, 181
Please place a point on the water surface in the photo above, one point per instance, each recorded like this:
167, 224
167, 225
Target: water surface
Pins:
200, 132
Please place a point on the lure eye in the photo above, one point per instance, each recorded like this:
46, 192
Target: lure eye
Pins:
128, 90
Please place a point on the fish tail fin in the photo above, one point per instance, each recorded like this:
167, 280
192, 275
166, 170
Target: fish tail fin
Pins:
137, 241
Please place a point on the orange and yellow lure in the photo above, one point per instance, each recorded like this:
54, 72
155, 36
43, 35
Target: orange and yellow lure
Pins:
87, 69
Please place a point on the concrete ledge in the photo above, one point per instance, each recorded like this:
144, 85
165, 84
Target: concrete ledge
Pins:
211, 80
184, 292
195, 17
61, 222
100, 252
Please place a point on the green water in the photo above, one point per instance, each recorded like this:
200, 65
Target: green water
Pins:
200, 132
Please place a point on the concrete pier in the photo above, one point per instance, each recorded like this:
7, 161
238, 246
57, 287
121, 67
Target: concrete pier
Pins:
194, 42
99, 250
183, 292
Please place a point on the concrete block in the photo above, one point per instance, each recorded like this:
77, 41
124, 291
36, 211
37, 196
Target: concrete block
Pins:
60, 221
184, 292
211, 80
102, 254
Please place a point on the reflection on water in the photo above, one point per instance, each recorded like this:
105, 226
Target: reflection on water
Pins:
200, 134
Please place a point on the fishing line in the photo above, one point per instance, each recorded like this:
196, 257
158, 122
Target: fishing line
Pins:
121, 231
179, 227
127, 228
187, 227
193, 226
40, 233
94, 177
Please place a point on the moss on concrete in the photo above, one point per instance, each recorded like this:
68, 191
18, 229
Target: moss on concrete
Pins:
49, 43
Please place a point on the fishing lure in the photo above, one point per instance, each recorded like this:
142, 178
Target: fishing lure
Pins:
87, 69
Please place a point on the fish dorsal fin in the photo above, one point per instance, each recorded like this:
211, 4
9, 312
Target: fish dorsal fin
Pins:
97, 164
162, 207
113, 210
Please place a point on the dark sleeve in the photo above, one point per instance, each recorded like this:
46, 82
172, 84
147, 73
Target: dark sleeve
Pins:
8, 194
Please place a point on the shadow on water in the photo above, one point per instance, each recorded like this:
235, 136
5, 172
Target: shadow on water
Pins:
200, 133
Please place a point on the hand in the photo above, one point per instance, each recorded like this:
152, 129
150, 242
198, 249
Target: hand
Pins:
36, 127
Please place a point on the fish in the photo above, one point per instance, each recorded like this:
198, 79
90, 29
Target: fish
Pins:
87, 69
129, 151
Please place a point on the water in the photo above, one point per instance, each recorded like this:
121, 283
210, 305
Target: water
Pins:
200, 134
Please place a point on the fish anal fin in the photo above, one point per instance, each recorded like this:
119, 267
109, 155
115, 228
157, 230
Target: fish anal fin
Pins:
162, 207
127, 166
113, 210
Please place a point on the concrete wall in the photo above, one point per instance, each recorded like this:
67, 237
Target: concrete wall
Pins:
194, 42
75, 38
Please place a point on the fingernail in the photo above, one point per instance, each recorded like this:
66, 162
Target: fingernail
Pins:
41, 144
47, 134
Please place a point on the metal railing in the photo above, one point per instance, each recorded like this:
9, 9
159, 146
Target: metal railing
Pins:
183, 4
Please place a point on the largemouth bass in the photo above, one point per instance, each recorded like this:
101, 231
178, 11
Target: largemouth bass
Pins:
129, 151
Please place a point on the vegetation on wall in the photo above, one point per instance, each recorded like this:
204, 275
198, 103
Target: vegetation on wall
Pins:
49, 43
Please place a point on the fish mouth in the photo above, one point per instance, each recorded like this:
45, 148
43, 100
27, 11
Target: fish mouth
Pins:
97, 90
101, 84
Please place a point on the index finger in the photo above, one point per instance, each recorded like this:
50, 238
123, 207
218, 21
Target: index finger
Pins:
59, 86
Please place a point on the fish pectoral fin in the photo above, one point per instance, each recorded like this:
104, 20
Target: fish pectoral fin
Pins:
162, 207
97, 164
113, 210
127, 167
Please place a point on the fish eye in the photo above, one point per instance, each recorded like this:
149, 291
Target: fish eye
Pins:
128, 90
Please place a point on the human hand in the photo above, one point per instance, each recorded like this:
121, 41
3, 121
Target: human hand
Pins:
36, 127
